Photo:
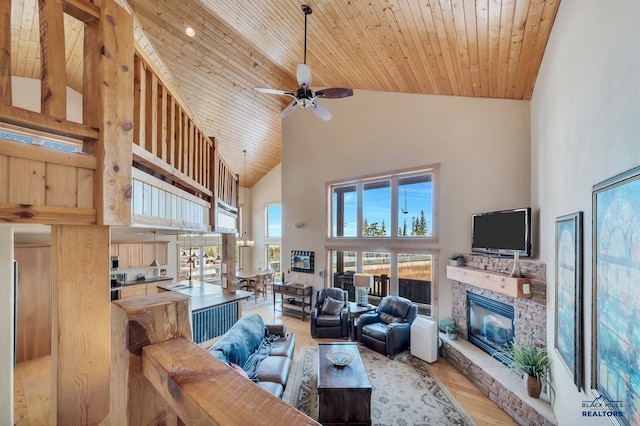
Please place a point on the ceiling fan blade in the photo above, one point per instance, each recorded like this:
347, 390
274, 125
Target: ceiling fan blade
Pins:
303, 73
274, 91
321, 111
334, 92
289, 109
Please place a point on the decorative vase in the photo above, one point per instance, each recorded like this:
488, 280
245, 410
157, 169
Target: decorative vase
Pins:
362, 296
533, 385
516, 273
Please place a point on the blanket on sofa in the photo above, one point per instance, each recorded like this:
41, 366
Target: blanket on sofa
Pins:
245, 344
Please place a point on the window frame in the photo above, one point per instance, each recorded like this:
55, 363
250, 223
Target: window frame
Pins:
393, 177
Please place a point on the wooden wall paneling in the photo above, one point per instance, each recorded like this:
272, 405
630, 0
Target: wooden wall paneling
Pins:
33, 324
27, 181
185, 144
151, 123
155, 201
80, 324
139, 101
171, 130
135, 323
162, 204
85, 188
146, 199
108, 73
4, 179
5, 53
61, 185
53, 94
162, 122
178, 138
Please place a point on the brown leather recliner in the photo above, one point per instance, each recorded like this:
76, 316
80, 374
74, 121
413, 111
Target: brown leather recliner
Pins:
325, 324
388, 329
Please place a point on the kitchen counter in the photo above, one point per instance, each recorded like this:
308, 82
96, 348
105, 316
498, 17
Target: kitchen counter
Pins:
204, 295
147, 280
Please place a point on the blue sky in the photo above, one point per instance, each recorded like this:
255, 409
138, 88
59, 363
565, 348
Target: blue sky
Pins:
274, 221
376, 206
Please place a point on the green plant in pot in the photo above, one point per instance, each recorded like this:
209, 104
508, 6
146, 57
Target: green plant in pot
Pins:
533, 361
455, 259
452, 331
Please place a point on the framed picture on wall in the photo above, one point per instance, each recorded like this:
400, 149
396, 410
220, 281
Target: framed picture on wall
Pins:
568, 336
302, 261
616, 291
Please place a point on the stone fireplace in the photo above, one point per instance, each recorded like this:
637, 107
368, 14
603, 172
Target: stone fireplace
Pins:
490, 308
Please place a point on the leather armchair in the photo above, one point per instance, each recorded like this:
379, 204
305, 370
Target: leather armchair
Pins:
325, 325
388, 329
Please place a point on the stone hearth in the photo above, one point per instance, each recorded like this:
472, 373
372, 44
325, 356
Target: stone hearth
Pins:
499, 383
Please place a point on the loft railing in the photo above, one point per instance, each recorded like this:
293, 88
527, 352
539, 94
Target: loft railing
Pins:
51, 176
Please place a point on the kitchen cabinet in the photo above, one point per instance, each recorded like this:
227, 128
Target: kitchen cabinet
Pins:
33, 320
133, 290
135, 255
140, 255
123, 255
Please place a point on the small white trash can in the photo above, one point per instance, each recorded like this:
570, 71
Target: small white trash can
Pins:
424, 339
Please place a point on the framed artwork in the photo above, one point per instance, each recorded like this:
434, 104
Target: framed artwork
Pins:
568, 335
616, 291
302, 261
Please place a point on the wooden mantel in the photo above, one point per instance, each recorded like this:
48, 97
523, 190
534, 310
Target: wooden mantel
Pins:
500, 283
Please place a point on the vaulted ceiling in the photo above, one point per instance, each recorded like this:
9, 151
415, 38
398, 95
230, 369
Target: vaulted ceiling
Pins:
475, 48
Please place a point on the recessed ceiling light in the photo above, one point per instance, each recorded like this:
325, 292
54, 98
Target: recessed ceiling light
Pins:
190, 31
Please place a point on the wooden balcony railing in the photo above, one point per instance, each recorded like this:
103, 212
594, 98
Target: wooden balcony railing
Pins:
104, 186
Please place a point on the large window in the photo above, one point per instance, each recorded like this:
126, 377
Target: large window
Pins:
388, 206
273, 215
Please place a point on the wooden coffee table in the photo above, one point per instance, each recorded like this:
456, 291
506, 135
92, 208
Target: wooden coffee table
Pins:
344, 393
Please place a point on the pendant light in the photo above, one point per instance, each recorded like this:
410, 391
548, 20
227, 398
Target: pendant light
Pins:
245, 241
155, 261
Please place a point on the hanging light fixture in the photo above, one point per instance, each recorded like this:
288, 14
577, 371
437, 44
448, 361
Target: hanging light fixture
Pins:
245, 241
155, 261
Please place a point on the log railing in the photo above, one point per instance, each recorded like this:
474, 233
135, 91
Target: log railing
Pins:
165, 378
105, 130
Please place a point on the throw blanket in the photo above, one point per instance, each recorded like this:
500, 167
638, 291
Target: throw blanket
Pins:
245, 344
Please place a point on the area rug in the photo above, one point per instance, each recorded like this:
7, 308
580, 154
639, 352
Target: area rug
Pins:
404, 392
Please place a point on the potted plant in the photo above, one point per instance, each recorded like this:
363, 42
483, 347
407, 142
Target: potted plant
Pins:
533, 361
452, 330
455, 259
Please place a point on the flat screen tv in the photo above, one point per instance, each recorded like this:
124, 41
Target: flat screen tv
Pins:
502, 232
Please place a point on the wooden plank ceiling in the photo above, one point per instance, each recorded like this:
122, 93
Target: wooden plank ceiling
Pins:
477, 48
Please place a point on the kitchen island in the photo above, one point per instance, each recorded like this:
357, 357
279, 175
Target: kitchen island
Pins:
213, 311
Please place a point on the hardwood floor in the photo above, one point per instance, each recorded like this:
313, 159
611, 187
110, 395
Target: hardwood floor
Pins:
32, 379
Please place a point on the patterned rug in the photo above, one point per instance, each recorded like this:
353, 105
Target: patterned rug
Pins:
404, 392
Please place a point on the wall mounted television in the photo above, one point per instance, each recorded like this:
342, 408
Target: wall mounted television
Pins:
502, 232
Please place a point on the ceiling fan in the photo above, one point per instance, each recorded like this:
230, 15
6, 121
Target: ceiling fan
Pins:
304, 97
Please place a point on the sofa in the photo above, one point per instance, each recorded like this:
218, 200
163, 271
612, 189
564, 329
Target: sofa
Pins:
262, 353
388, 329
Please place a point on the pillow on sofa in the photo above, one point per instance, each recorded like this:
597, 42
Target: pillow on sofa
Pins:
388, 318
332, 306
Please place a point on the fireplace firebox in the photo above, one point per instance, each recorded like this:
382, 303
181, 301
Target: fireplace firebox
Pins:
490, 325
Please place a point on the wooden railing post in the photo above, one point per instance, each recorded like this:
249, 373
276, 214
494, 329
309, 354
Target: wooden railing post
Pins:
135, 323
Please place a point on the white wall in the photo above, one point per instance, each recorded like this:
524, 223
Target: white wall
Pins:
482, 146
266, 191
26, 94
585, 122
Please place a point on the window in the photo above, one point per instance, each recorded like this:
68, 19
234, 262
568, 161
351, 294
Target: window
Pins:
376, 209
273, 260
273, 213
387, 206
199, 257
344, 211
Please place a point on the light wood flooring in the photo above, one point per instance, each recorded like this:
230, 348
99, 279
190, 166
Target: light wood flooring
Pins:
32, 379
